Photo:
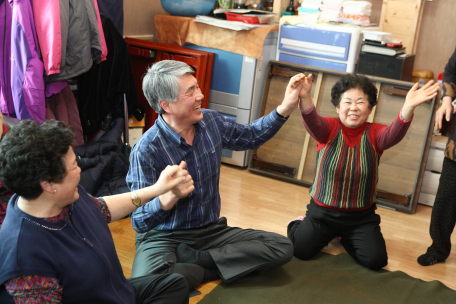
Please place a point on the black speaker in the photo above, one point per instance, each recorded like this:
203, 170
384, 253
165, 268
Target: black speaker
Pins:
394, 67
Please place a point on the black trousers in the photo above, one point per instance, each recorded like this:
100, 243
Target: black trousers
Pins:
236, 252
359, 231
443, 218
5, 298
160, 289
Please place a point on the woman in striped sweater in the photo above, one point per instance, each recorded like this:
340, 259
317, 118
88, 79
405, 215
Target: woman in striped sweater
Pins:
343, 193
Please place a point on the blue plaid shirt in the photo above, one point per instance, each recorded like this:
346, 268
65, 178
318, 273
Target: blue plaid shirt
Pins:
161, 146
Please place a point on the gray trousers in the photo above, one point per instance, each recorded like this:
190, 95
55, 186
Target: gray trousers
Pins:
236, 252
160, 289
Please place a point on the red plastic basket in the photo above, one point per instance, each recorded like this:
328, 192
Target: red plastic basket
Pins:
246, 18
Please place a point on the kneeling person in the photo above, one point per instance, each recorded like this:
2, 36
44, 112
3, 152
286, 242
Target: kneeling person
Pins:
343, 194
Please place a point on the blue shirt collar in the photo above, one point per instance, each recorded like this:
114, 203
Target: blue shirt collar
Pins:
173, 136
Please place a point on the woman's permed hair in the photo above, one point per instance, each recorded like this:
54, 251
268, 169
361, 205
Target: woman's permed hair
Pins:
161, 82
31, 153
354, 81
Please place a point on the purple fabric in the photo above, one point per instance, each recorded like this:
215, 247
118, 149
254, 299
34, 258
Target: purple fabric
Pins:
55, 88
62, 106
27, 70
6, 97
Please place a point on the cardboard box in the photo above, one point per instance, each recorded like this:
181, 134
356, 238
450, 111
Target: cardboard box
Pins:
134, 123
134, 134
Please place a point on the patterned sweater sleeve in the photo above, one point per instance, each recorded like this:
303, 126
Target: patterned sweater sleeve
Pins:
317, 126
34, 289
103, 207
387, 136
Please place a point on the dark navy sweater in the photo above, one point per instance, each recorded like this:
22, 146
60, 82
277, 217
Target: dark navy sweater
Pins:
80, 255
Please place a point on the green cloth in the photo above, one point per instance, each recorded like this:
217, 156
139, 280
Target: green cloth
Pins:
330, 279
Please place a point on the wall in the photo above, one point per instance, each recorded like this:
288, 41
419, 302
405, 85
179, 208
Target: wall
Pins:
139, 16
376, 10
437, 38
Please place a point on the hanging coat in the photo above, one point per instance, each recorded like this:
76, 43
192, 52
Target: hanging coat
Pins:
27, 70
70, 35
101, 90
6, 97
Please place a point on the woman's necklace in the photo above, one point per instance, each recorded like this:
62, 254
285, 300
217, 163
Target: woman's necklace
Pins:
44, 226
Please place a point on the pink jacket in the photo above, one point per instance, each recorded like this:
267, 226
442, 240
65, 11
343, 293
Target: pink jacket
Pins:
69, 43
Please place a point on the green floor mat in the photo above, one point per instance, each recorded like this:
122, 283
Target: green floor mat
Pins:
330, 279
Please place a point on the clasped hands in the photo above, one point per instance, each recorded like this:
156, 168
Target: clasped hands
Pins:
298, 88
177, 184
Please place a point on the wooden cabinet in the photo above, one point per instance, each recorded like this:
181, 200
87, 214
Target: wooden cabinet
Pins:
402, 18
291, 154
433, 170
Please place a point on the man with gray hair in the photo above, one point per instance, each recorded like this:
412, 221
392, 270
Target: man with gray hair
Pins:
181, 231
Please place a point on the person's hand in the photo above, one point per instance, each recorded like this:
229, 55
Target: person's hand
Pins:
416, 96
306, 85
186, 187
170, 178
445, 110
298, 87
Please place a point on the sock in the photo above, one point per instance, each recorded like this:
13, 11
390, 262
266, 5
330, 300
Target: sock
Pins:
428, 260
186, 254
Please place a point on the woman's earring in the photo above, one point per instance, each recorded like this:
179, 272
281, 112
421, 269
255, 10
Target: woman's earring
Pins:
55, 191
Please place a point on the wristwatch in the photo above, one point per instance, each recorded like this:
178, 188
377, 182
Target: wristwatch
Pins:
135, 199
281, 116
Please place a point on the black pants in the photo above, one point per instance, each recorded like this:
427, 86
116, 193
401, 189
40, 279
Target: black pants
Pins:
236, 252
359, 231
160, 289
443, 216
5, 298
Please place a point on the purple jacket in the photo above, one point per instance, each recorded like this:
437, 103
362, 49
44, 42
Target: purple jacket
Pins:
6, 98
26, 70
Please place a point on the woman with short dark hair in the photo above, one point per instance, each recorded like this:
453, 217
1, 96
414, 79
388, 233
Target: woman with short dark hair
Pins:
56, 245
344, 193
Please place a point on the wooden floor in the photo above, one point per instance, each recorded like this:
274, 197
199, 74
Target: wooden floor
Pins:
253, 201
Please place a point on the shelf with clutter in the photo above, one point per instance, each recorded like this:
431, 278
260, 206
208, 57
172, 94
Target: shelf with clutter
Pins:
382, 56
325, 34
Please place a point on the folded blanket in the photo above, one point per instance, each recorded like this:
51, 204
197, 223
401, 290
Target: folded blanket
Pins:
312, 1
309, 19
354, 16
361, 4
311, 5
329, 15
307, 10
337, 2
333, 7
354, 19
357, 11
291, 20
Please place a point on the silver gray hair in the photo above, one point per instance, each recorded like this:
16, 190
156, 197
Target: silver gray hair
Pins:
161, 82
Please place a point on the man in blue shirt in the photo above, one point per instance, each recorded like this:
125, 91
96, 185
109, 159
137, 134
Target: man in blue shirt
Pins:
181, 231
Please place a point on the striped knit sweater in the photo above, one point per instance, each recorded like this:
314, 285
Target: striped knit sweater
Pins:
346, 171
345, 177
